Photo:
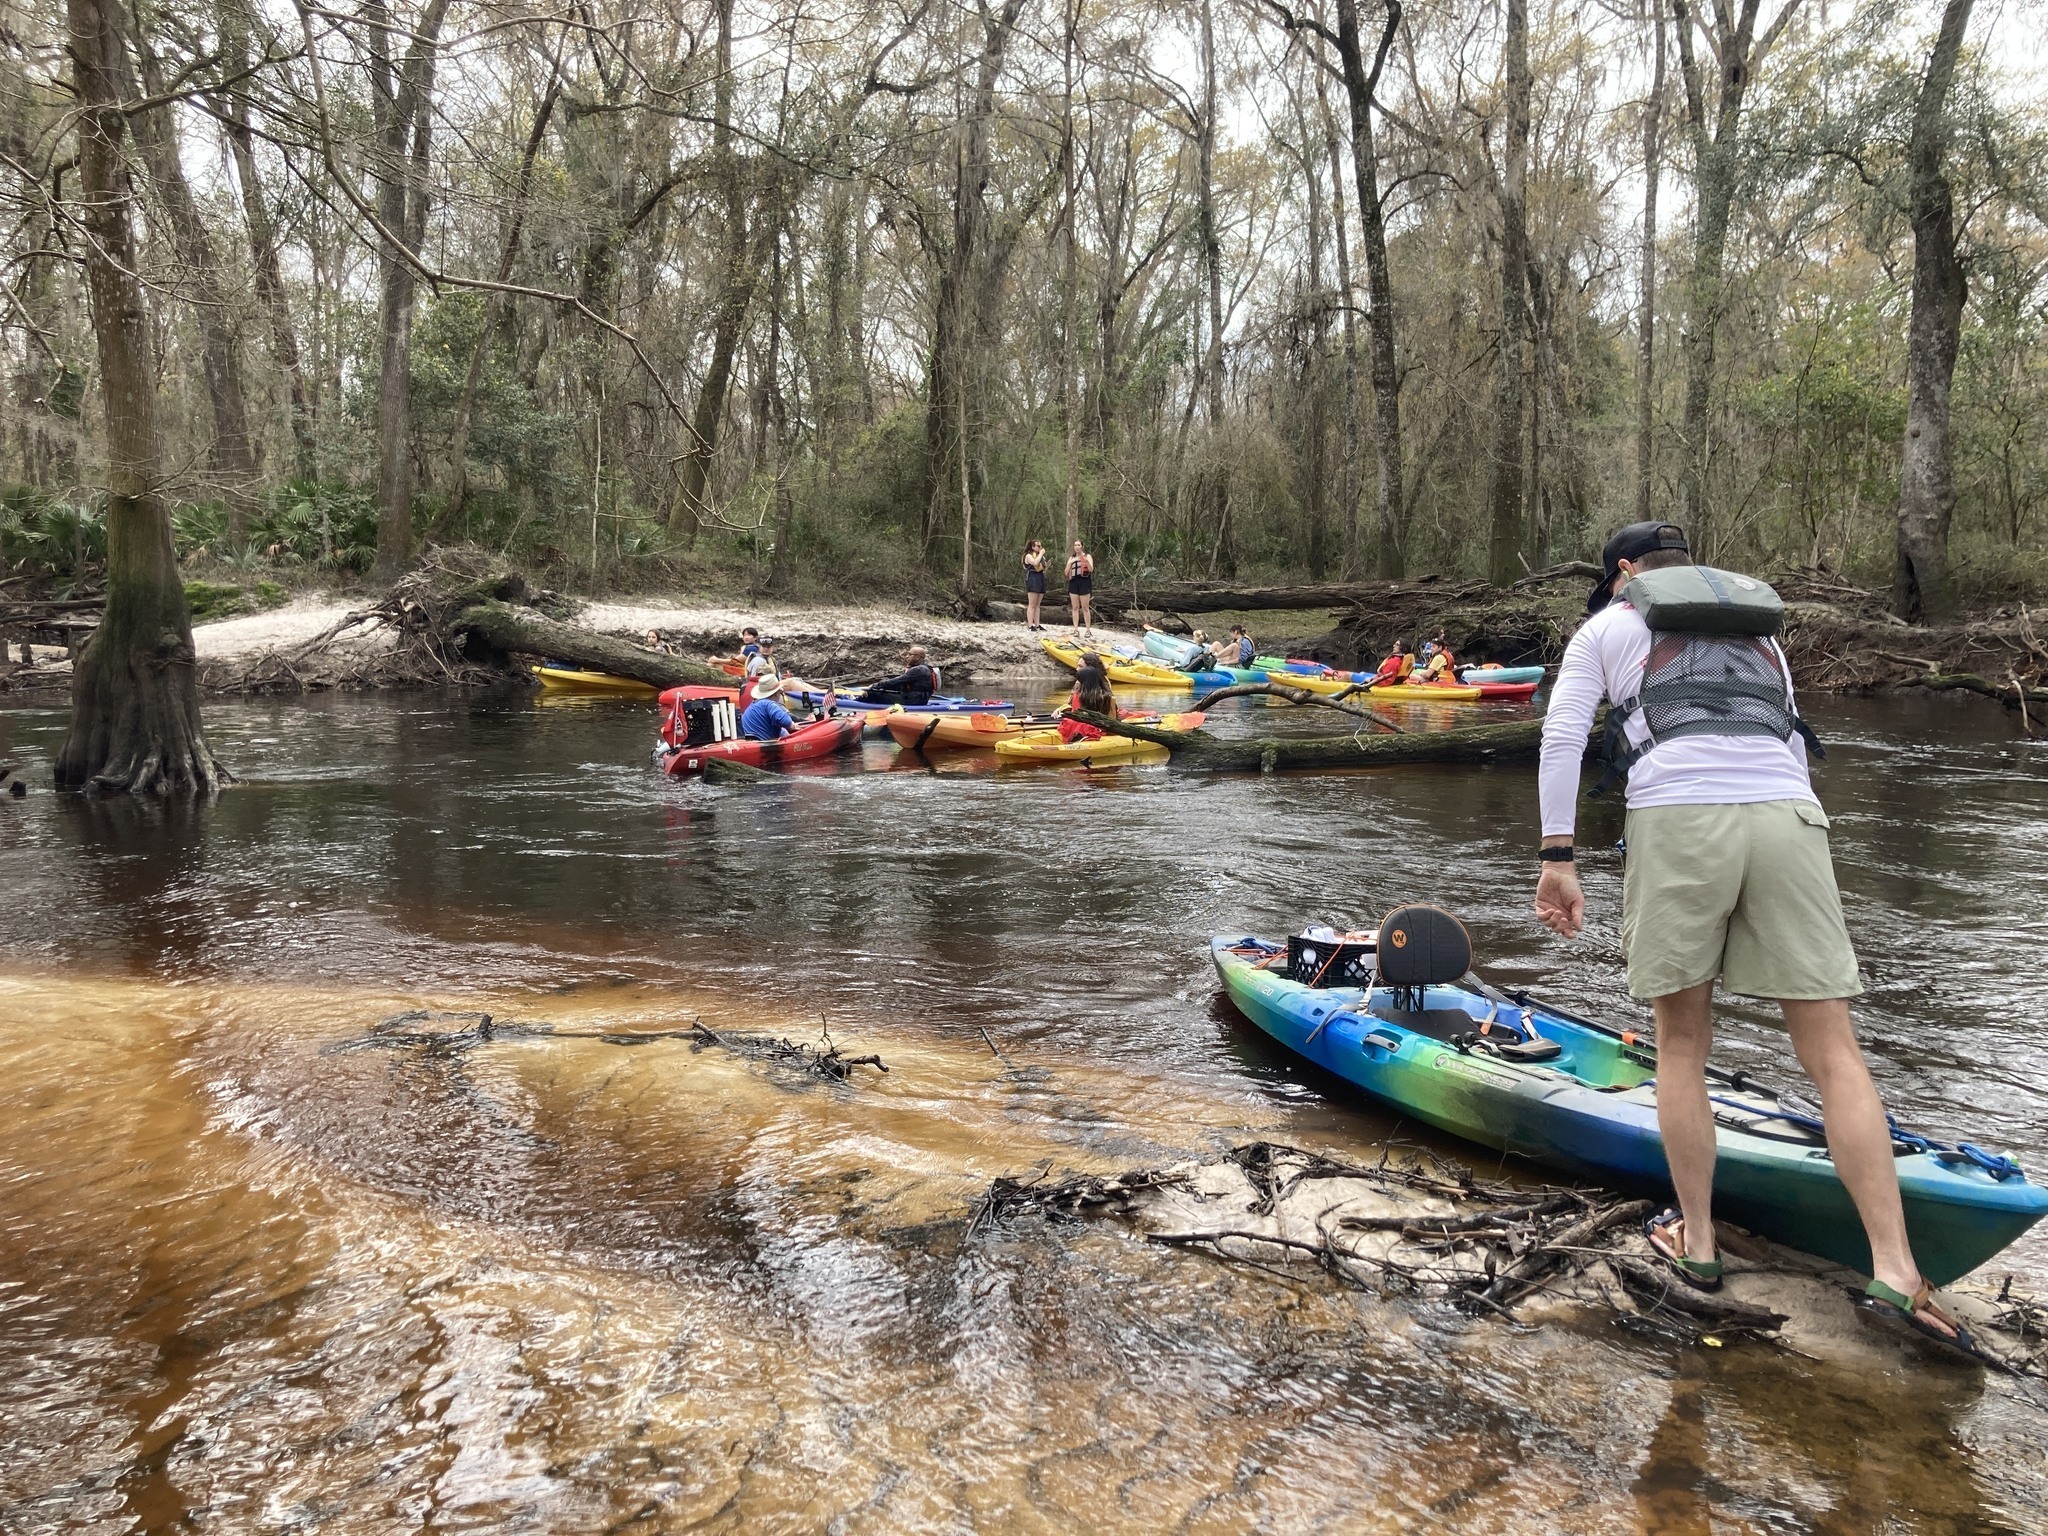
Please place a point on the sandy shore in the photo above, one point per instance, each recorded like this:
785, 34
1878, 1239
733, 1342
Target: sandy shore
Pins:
814, 641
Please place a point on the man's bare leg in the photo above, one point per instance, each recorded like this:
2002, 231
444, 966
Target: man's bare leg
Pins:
1859, 1140
1685, 1031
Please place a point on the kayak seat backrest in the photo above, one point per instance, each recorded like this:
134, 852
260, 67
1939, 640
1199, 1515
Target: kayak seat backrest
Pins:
1423, 947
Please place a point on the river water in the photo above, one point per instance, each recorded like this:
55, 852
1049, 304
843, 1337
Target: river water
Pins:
251, 1281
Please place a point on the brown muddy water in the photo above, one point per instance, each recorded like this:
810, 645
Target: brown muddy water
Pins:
252, 1281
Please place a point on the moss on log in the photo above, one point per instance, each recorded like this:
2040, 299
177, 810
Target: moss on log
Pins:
1517, 740
525, 632
724, 771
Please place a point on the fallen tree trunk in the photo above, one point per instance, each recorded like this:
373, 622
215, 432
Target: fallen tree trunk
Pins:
525, 632
1518, 740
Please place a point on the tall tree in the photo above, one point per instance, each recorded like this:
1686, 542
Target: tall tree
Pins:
1347, 300
1714, 123
402, 112
134, 694
235, 18
232, 452
1504, 495
1360, 83
1646, 324
1921, 588
1070, 339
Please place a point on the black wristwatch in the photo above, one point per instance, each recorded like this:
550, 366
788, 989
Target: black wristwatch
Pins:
1555, 855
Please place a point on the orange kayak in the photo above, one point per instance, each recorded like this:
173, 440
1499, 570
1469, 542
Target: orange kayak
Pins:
923, 732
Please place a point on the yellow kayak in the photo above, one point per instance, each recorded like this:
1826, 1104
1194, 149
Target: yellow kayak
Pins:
1046, 747
1433, 693
1121, 669
1429, 693
591, 682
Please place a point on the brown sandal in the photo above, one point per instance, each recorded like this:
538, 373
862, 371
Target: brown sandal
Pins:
1909, 1317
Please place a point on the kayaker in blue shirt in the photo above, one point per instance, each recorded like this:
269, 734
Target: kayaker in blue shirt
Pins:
766, 720
1245, 649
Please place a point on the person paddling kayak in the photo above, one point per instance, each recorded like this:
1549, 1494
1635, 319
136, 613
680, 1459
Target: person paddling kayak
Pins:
1729, 879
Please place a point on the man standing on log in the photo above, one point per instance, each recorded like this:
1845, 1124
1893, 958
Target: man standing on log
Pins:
1728, 878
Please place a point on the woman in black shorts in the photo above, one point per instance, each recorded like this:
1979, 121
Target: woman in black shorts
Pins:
1080, 589
1034, 584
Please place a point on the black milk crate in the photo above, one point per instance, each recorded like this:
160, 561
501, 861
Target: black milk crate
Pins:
1310, 961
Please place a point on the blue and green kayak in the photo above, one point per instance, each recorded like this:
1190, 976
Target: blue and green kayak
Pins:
1591, 1109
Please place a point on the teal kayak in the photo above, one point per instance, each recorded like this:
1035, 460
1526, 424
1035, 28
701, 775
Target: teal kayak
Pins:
1500, 674
1590, 1107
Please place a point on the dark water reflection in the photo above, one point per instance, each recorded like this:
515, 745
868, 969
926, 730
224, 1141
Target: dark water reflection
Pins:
253, 1283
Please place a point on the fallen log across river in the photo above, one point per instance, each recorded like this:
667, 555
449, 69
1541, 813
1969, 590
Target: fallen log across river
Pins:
1516, 740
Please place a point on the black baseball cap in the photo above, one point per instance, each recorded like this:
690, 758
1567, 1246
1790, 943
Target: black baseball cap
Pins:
1632, 543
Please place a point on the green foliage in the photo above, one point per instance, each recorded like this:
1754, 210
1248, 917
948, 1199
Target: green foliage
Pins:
209, 600
43, 534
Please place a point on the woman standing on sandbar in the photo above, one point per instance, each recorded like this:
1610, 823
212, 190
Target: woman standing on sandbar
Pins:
1034, 584
1080, 589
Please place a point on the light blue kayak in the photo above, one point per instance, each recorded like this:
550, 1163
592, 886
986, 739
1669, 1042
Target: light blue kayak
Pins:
1500, 674
1583, 1098
1171, 649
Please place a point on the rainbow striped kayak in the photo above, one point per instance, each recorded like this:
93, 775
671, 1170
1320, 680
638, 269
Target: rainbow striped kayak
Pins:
1590, 1107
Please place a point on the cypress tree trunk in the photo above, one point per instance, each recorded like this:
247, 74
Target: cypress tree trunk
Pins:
1646, 354
1921, 588
134, 693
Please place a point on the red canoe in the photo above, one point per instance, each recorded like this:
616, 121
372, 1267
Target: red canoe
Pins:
820, 738
1503, 690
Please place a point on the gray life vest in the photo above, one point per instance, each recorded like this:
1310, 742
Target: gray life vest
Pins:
1714, 667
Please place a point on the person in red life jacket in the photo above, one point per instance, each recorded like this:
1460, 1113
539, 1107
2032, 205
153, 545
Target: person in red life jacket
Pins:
913, 686
1399, 664
1092, 693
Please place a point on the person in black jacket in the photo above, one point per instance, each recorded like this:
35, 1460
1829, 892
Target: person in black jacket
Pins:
913, 686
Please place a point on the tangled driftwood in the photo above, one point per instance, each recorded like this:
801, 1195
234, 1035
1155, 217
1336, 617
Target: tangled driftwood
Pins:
1416, 1226
442, 1032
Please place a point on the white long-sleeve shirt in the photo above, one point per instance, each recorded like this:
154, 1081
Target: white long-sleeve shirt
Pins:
1605, 660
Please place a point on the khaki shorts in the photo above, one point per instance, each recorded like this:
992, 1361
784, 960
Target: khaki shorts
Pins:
1745, 893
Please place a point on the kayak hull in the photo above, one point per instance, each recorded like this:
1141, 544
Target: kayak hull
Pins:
925, 731
1131, 672
819, 738
572, 679
1486, 676
919, 732
1432, 693
1506, 690
1592, 1111
1046, 747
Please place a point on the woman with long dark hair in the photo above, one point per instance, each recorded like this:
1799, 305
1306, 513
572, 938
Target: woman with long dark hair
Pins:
1092, 693
1034, 584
